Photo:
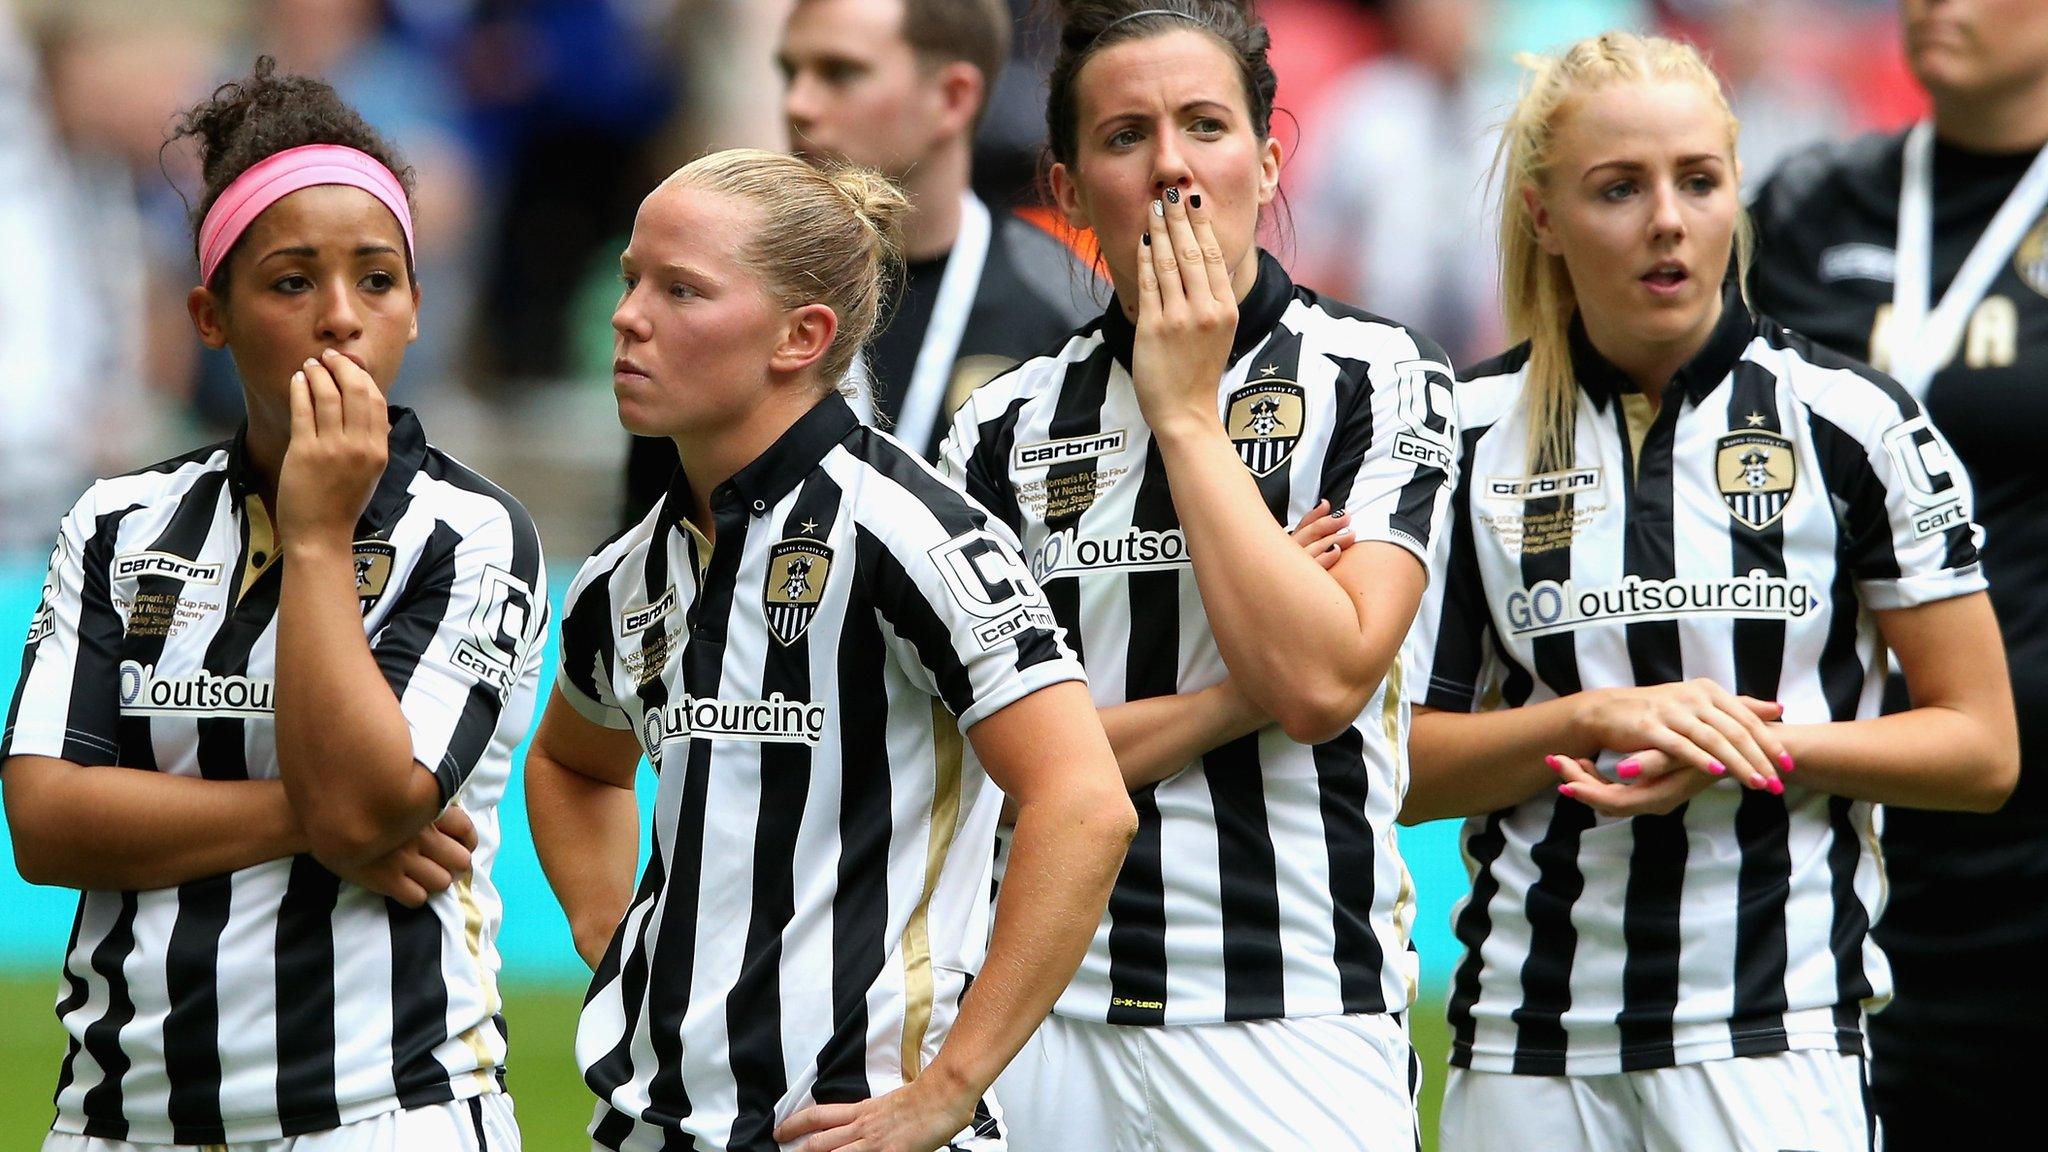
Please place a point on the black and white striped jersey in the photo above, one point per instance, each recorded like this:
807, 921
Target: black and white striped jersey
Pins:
1265, 880
1744, 533
278, 1000
817, 895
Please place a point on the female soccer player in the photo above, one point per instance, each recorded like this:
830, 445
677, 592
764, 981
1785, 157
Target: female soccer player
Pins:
1926, 253
260, 675
1682, 540
1257, 939
797, 637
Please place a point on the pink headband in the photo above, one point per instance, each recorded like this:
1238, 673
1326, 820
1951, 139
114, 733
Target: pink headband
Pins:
278, 176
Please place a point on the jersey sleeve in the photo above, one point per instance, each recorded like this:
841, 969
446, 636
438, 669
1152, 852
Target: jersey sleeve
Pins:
584, 675
66, 704
1913, 537
463, 645
1403, 433
966, 620
1450, 646
971, 460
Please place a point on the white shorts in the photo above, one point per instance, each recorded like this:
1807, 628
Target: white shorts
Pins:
478, 1124
1809, 1101
1327, 1083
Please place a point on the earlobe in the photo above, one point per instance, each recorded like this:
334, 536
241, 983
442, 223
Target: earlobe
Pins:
962, 90
1269, 171
1067, 195
805, 340
1539, 220
205, 309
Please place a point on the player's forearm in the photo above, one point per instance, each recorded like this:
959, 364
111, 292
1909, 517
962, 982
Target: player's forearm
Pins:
344, 750
1932, 757
1064, 857
1257, 584
1470, 763
587, 835
1157, 737
120, 829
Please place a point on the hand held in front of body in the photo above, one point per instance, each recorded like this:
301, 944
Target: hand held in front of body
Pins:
339, 444
1187, 315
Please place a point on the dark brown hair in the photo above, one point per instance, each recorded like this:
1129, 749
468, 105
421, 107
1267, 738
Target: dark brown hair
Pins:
976, 31
252, 119
1088, 26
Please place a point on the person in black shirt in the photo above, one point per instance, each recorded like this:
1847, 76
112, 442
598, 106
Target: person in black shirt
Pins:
1926, 253
899, 86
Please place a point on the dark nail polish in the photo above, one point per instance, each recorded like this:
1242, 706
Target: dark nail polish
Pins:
1173, 195
1146, 239
1195, 201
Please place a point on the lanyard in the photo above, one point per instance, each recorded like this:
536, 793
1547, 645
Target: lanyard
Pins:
935, 356
1922, 342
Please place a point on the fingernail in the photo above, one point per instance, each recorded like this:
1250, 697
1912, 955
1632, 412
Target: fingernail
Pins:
1338, 512
1195, 200
298, 377
1628, 769
1146, 239
310, 361
1785, 761
1158, 209
1775, 786
1173, 195
1716, 767
1566, 790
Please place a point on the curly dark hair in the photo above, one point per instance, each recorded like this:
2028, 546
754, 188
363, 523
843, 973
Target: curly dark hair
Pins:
249, 120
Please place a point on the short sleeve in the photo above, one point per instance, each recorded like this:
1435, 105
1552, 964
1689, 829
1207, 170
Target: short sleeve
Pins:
971, 460
1448, 649
1920, 544
584, 677
462, 646
66, 704
1404, 432
969, 622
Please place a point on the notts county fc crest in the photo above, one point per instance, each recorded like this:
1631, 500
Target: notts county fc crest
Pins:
796, 582
1755, 473
1264, 419
373, 570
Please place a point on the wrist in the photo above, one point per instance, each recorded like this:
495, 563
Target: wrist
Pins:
1174, 424
949, 1088
317, 545
1581, 734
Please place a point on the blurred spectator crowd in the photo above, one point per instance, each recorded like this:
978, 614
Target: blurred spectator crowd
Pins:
535, 126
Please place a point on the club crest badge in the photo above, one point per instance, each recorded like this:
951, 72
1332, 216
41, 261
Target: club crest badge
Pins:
2030, 259
796, 582
373, 560
1755, 473
1264, 419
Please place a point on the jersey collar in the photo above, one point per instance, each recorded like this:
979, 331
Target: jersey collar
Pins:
1702, 374
1257, 314
407, 453
776, 472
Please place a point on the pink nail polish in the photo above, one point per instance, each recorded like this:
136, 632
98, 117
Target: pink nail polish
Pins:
1555, 763
1785, 761
1566, 790
1717, 768
1776, 787
1628, 769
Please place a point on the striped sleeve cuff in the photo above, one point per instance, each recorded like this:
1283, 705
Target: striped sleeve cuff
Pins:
1914, 591
1014, 688
598, 713
53, 742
